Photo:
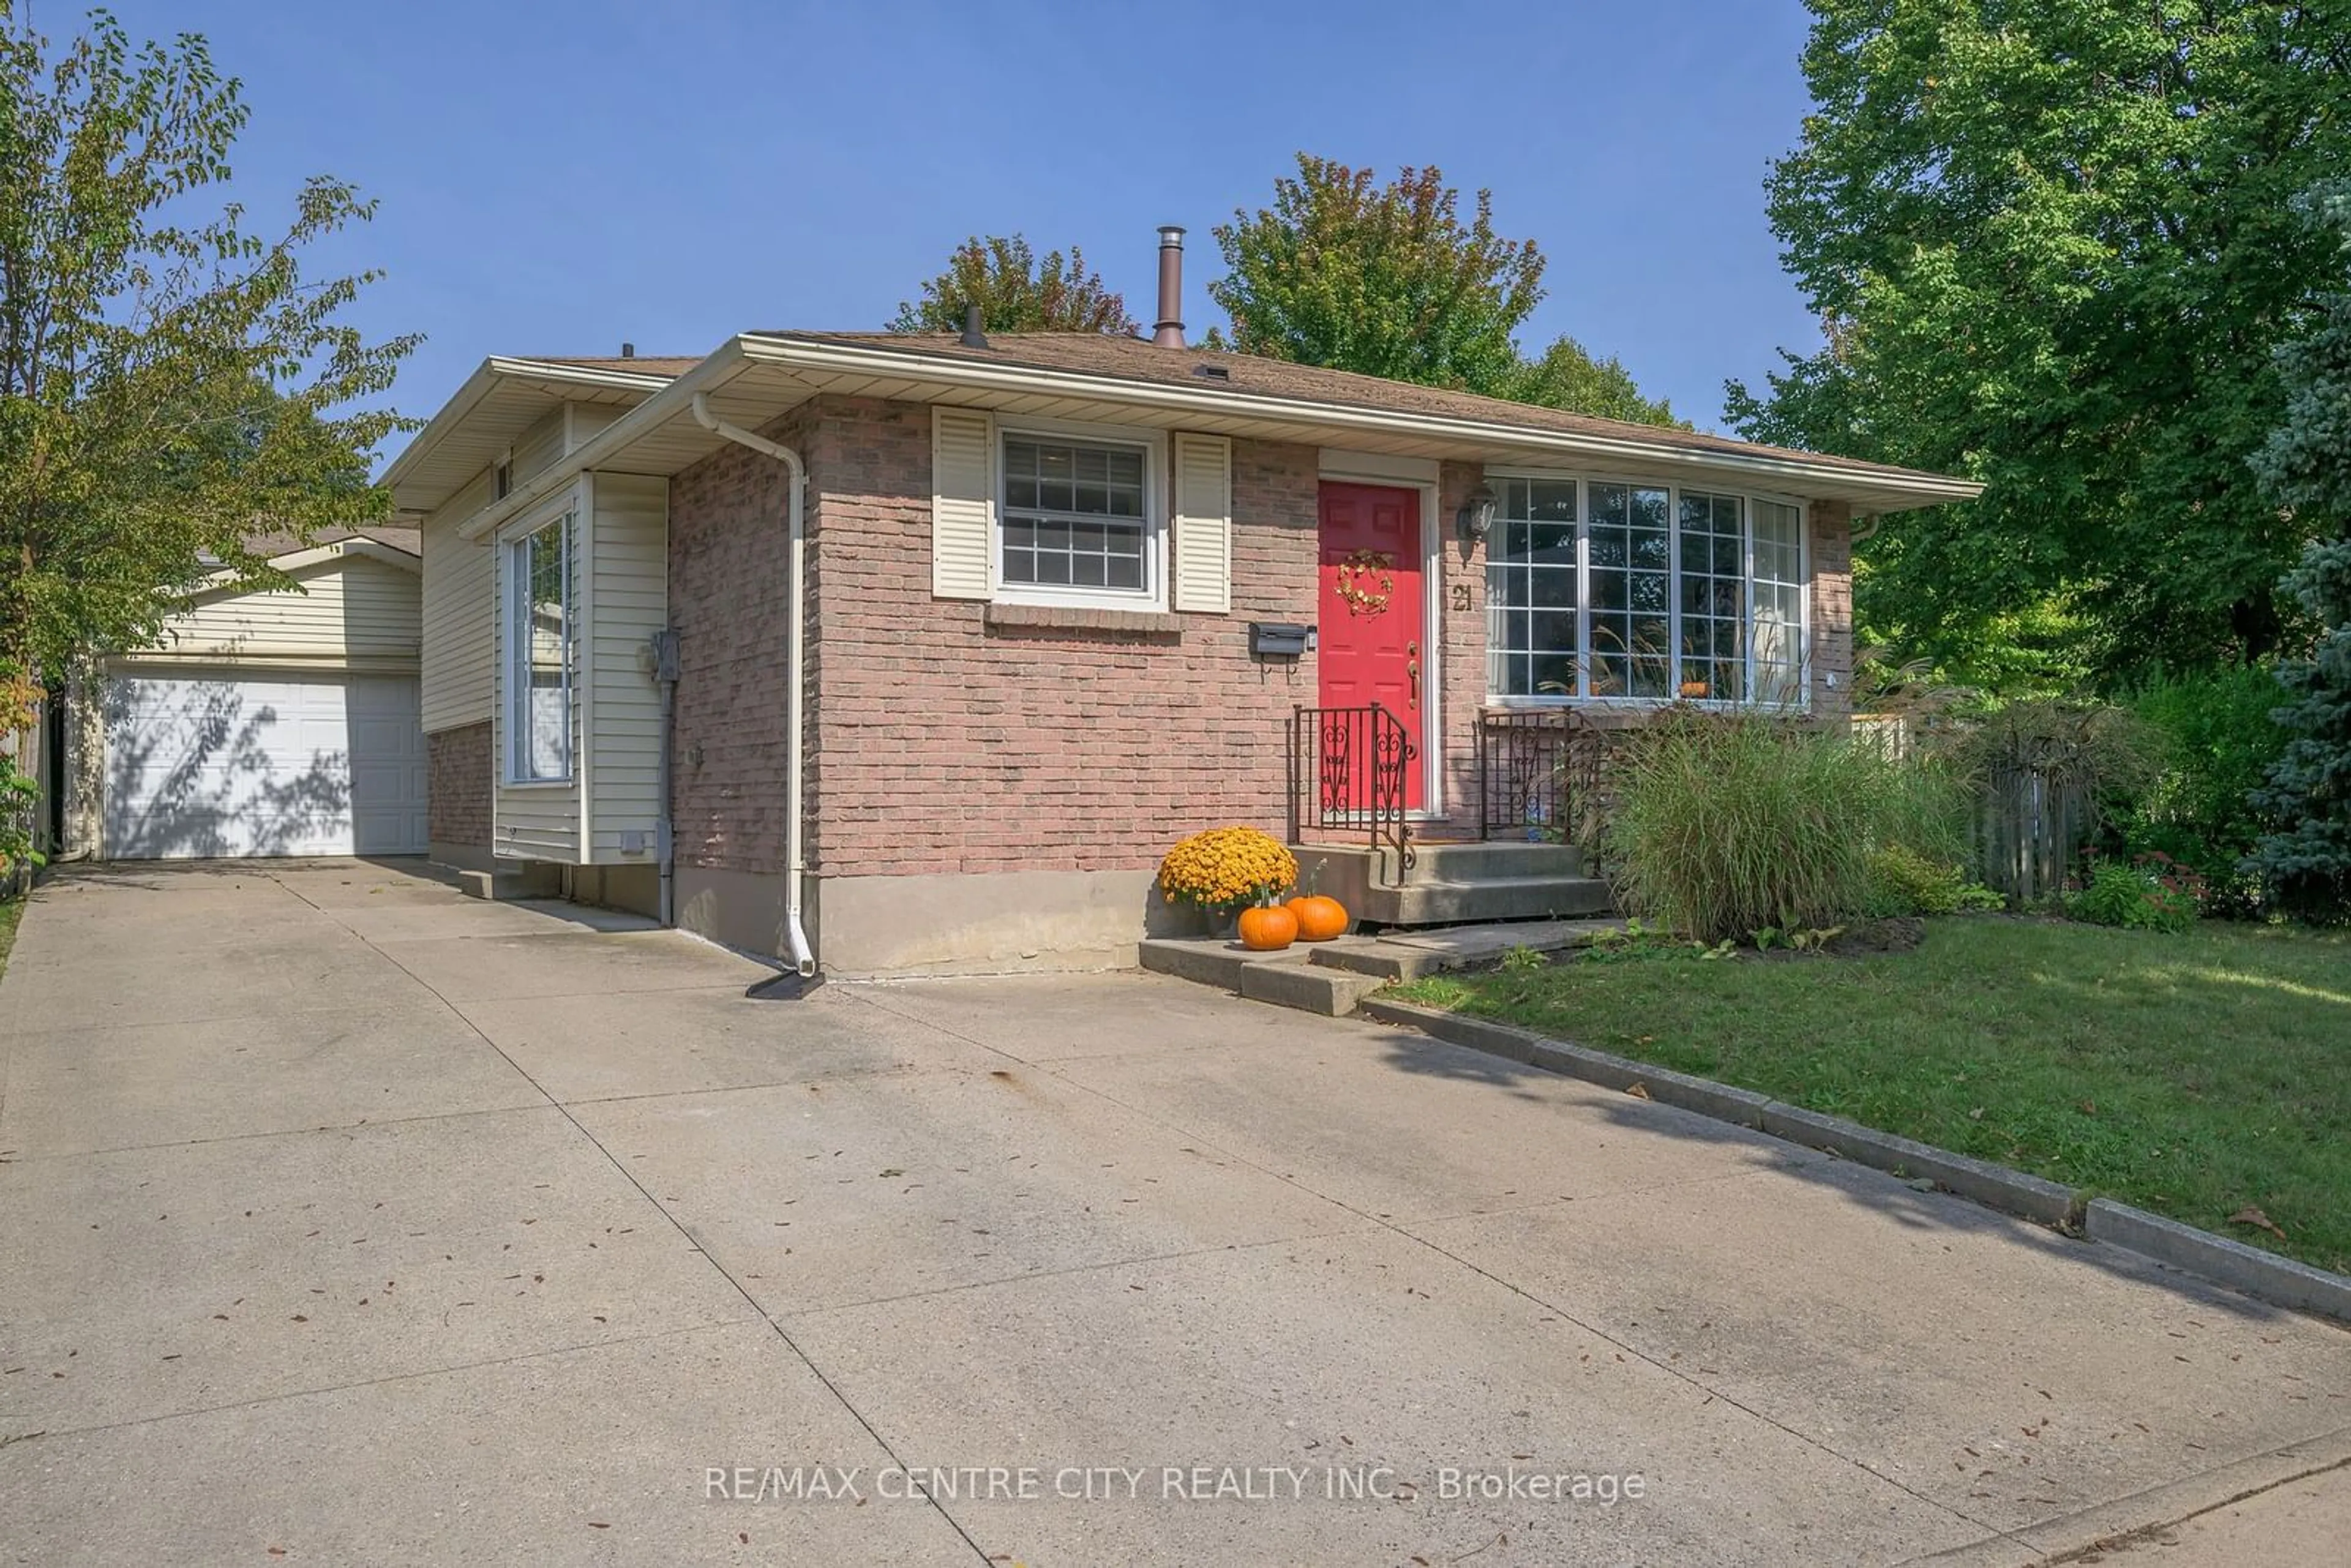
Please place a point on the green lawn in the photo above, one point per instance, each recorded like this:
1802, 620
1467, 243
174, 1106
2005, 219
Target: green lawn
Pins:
11, 911
2194, 1075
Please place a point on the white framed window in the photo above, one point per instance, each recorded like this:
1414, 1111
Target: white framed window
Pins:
541, 633
1617, 590
1079, 520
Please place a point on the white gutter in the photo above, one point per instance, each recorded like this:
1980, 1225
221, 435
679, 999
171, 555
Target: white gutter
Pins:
795, 668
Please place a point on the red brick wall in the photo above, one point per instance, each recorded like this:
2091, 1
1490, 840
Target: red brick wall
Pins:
459, 778
947, 744
941, 743
729, 599
1832, 528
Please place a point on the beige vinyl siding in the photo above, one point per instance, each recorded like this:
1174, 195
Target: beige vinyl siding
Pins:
533, 821
628, 559
460, 603
349, 609
539, 447
588, 420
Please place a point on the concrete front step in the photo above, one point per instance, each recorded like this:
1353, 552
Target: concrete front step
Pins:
508, 883
1434, 903
1409, 954
1454, 884
1290, 978
1333, 978
1440, 860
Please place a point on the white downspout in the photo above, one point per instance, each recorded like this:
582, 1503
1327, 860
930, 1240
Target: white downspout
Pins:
795, 668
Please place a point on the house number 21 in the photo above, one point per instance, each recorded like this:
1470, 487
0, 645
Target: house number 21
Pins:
1461, 596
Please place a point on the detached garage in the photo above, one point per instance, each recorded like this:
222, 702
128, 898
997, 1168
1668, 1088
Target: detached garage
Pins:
267, 723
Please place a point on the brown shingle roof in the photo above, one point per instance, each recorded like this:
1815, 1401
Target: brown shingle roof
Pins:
1136, 360
274, 543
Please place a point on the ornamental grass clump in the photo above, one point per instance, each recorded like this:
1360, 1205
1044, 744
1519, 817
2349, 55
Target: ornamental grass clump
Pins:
1225, 869
1726, 825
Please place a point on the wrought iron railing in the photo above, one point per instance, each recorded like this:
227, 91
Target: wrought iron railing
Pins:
1347, 772
1539, 777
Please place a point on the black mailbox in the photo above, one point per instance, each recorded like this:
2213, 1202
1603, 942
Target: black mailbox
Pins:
1278, 639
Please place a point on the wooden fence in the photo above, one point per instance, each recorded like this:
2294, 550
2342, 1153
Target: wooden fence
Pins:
2028, 832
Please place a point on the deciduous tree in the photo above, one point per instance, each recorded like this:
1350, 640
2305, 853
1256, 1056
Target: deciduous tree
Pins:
1567, 376
1389, 280
1015, 292
169, 379
1384, 279
2053, 246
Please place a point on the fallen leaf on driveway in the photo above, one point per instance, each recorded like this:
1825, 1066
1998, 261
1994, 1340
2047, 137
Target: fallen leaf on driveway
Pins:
1637, 1090
2254, 1217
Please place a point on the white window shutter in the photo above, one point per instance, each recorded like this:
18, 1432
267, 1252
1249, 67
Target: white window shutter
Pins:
963, 502
1203, 554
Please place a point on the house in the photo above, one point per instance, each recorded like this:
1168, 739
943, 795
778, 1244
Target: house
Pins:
909, 653
264, 721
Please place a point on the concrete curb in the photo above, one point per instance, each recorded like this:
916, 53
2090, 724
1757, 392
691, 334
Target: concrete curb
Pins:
2232, 1263
1995, 1186
1662, 1084
2279, 1280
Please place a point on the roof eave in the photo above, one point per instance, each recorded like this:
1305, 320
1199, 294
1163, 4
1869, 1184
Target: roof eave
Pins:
488, 375
673, 397
229, 580
1878, 490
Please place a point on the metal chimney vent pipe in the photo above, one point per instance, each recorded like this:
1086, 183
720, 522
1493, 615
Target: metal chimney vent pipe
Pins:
1167, 332
973, 337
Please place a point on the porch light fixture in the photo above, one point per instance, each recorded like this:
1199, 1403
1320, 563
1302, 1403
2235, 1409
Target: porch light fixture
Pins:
1476, 519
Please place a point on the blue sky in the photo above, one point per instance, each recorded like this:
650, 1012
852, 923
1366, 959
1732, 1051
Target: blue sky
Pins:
558, 178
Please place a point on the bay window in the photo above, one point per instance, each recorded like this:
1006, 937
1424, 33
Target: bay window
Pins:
1617, 590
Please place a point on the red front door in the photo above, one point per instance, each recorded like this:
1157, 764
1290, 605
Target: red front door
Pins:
1371, 610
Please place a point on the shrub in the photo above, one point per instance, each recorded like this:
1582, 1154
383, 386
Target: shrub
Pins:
1728, 824
1904, 882
2219, 740
2105, 753
2152, 893
1224, 869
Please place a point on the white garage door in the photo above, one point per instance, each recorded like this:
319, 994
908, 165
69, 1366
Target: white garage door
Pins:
220, 764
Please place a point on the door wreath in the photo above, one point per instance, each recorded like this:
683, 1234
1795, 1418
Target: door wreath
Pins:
1373, 567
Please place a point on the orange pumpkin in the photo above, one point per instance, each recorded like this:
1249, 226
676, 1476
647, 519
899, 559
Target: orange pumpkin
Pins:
1267, 929
1320, 918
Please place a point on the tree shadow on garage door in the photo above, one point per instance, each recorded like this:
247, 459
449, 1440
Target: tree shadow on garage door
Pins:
208, 785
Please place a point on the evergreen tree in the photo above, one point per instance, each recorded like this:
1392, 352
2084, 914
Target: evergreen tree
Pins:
2306, 863
2306, 469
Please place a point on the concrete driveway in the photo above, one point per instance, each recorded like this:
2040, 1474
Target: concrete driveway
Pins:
346, 1221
